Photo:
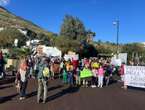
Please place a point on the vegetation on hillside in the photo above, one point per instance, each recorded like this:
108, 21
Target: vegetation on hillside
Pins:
8, 36
7, 19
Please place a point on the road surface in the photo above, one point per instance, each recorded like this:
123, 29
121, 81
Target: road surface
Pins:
63, 98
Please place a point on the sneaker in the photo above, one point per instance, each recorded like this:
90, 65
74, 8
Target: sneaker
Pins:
38, 101
44, 102
93, 86
101, 86
21, 98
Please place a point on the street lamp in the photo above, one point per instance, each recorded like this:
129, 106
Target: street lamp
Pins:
116, 23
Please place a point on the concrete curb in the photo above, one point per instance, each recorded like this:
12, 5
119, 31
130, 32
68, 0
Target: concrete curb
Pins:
7, 80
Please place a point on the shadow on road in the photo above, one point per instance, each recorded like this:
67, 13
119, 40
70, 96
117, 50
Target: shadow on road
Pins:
7, 86
7, 98
68, 90
136, 88
49, 89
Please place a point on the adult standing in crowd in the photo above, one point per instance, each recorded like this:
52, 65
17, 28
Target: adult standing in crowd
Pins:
42, 79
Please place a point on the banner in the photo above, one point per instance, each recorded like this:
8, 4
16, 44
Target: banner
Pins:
134, 76
86, 73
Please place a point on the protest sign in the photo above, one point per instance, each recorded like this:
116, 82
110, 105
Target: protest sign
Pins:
48, 51
116, 62
86, 73
71, 57
122, 58
134, 76
52, 51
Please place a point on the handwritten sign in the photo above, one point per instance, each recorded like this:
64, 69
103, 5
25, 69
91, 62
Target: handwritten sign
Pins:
86, 73
135, 76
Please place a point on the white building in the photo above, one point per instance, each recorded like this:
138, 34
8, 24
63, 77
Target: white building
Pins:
1, 28
143, 43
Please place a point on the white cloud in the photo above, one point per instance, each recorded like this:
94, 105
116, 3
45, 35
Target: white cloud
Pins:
4, 2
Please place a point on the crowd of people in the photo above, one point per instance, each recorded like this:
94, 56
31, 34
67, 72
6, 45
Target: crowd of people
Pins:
92, 72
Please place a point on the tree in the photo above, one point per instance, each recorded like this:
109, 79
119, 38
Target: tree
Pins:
31, 34
134, 50
7, 37
65, 44
45, 39
73, 28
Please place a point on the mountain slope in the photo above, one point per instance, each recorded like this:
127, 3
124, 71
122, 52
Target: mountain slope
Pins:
7, 19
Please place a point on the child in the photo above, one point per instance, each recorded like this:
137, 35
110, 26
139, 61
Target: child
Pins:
78, 76
18, 86
17, 82
23, 78
95, 73
108, 74
121, 72
64, 76
100, 76
70, 69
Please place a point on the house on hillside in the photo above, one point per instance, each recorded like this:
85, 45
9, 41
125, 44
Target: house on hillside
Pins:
143, 43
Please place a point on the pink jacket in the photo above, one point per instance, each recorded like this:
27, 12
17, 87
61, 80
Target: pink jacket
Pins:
121, 70
101, 72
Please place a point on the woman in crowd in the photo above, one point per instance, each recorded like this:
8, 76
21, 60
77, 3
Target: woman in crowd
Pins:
23, 77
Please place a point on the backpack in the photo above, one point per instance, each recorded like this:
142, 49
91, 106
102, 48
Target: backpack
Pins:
46, 72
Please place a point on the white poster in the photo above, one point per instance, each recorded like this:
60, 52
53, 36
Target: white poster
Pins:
71, 57
52, 51
135, 76
116, 62
123, 57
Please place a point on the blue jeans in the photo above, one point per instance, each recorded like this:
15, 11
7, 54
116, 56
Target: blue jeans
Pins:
23, 86
70, 78
31, 71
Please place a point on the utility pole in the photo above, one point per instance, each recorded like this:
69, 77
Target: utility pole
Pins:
117, 23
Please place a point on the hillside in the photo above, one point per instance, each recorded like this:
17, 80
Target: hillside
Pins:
8, 19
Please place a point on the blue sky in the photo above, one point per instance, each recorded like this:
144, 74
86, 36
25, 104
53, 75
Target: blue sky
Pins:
97, 15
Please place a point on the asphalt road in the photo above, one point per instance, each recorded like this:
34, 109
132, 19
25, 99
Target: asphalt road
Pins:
63, 98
